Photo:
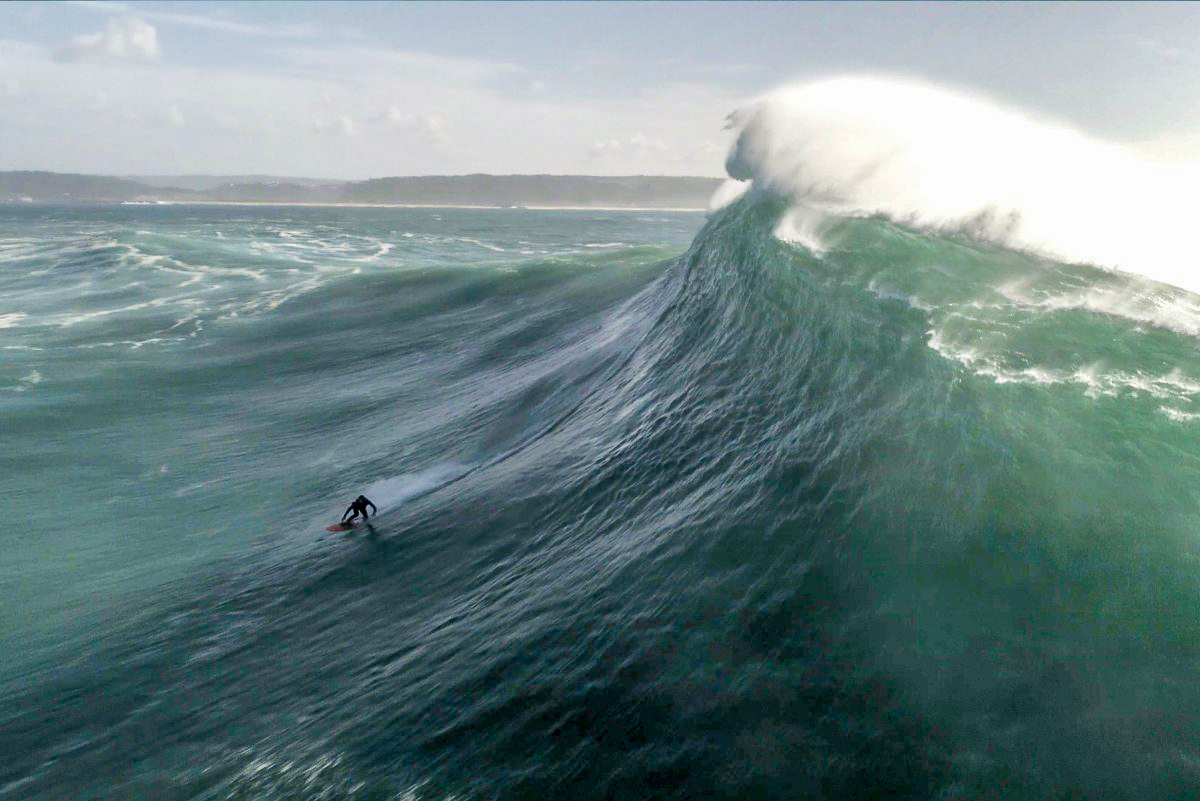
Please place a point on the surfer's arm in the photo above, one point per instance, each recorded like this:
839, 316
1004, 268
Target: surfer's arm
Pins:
346, 513
374, 511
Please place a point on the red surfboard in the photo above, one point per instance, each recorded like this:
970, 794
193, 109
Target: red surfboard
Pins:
341, 526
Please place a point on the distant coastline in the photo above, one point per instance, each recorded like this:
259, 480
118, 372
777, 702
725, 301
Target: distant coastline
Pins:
403, 205
539, 192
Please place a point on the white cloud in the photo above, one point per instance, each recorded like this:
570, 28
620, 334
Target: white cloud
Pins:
405, 114
1164, 50
341, 124
227, 24
124, 39
225, 122
642, 143
429, 126
604, 147
364, 63
175, 116
707, 151
637, 145
220, 21
102, 5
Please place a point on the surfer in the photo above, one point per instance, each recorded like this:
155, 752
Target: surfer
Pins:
359, 507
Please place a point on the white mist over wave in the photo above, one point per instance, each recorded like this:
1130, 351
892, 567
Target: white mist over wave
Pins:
932, 157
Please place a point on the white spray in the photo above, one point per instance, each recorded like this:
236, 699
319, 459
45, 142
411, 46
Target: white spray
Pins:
936, 158
390, 493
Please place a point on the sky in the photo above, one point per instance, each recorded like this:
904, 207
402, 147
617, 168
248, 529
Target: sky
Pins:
358, 90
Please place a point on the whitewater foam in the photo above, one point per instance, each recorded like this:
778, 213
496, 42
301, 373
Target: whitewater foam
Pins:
1178, 415
481, 244
27, 382
935, 158
1093, 378
802, 225
1145, 303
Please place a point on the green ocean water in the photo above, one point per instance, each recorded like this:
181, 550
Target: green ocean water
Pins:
669, 508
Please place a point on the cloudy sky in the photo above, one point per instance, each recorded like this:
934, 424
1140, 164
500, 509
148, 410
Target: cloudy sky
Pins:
361, 90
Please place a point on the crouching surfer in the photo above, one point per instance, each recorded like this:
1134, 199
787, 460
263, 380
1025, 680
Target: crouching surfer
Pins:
358, 507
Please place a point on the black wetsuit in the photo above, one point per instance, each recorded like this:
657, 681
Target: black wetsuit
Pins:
359, 507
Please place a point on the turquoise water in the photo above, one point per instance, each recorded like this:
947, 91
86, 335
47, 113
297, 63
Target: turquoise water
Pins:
668, 508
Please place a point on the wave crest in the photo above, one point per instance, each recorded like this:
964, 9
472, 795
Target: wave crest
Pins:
935, 158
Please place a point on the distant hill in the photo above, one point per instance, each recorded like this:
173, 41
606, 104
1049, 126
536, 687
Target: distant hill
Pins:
69, 187
450, 190
203, 183
275, 193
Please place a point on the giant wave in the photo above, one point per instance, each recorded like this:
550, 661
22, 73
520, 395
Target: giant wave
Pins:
906, 513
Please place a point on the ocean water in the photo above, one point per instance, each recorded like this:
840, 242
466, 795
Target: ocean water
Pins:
670, 507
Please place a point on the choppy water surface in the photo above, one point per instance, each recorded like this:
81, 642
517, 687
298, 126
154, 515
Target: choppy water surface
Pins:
669, 508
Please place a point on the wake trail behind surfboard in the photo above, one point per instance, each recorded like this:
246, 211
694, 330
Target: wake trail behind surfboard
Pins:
388, 493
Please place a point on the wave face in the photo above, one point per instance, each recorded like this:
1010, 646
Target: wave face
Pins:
909, 516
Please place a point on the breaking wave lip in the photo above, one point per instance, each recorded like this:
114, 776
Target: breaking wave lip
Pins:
936, 158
